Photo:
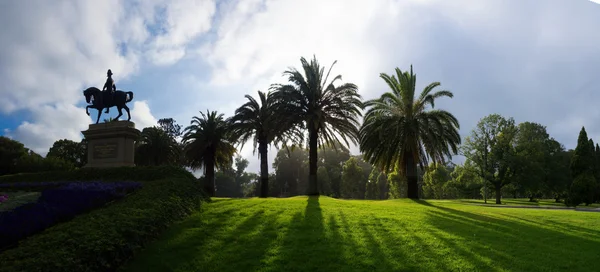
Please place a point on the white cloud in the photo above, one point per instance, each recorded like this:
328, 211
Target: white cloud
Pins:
141, 115
522, 58
183, 21
51, 51
491, 54
52, 123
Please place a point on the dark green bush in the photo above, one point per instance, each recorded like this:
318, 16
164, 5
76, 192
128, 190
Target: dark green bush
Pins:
582, 190
107, 174
104, 239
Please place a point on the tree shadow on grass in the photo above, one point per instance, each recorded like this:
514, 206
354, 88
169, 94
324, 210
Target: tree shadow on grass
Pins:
197, 244
515, 246
308, 244
569, 228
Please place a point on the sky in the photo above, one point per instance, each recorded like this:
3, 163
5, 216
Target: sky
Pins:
530, 60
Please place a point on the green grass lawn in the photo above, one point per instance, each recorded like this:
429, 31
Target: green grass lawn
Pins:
16, 199
325, 234
526, 202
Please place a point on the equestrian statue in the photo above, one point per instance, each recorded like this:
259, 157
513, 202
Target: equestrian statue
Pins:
108, 97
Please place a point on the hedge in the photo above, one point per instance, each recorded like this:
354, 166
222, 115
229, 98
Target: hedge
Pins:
57, 205
139, 173
104, 239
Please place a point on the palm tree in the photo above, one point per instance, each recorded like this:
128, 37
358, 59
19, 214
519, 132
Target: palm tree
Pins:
262, 122
157, 147
329, 112
208, 145
397, 129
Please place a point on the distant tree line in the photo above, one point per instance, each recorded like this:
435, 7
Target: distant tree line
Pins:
406, 146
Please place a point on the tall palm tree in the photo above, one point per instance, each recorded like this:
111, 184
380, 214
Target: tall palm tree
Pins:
262, 122
399, 130
208, 144
156, 147
329, 112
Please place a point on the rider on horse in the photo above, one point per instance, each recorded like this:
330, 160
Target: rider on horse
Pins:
109, 86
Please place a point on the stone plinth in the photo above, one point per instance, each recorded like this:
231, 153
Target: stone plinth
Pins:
111, 144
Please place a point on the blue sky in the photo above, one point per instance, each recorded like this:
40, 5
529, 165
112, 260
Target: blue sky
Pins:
527, 59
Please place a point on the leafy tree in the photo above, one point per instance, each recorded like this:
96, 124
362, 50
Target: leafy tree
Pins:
371, 190
434, 180
225, 183
262, 122
365, 166
465, 183
374, 185
170, 126
243, 178
352, 182
240, 166
382, 185
10, 152
32, 162
327, 111
398, 128
332, 159
208, 144
70, 151
250, 189
597, 175
490, 148
290, 171
558, 174
582, 189
583, 165
583, 158
324, 181
530, 154
156, 147
397, 184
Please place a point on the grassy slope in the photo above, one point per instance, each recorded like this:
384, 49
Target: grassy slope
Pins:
301, 234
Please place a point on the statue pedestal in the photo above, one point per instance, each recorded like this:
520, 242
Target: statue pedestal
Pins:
111, 144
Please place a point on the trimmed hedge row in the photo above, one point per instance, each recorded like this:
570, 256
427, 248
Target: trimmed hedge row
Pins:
138, 173
104, 239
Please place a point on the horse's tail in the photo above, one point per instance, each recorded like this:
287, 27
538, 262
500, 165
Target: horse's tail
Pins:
130, 97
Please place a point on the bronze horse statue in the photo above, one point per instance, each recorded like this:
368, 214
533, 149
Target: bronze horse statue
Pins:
119, 100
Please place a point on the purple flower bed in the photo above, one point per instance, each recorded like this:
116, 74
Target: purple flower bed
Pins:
29, 186
57, 204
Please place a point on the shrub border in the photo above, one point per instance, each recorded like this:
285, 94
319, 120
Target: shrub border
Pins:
106, 238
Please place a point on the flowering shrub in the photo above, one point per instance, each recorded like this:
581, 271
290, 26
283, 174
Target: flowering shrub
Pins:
57, 204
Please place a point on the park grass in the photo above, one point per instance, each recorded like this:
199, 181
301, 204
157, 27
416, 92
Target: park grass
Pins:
16, 199
551, 203
325, 234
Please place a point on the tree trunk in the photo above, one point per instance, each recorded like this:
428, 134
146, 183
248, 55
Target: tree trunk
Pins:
498, 194
313, 189
411, 177
264, 169
210, 177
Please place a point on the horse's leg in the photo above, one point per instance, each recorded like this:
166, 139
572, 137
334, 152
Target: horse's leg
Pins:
86, 110
99, 113
128, 114
120, 113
